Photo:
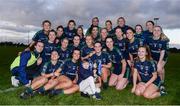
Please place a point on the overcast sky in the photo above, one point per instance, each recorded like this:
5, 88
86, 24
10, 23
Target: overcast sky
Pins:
21, 16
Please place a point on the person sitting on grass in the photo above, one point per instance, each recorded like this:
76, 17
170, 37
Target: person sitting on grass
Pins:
146, 82
68, 80
103, 62
48, 79
86, 81
20, 73
120, 72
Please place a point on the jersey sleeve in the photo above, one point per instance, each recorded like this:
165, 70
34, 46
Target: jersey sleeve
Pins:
36, 36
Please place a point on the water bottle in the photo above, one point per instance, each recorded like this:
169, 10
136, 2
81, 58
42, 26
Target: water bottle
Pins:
99, 68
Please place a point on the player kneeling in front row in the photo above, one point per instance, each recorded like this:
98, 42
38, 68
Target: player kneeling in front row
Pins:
24, 67
145, 73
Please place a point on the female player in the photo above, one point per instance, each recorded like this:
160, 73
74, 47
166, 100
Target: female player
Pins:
64, 51
67, 82
76, 43
48, 79
103, 36
49, 46
60, 34
148, 83
70, 30
139, 32
41, 35
158, 45
108, 25
80, 33
132, 45
88, 49
95, 33
103, 62
120, 74
149, 32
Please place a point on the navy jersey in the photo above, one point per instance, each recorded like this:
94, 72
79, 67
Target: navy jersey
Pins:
48, 67
111, 33
140, 36
70, 69
121, 45
64, 54
86, 50
103, 58
133, 47
84, 73
156, 46
147, 35
40, 36
48, 48
69, 33
72, 47
82, 41
146, 69
115, 56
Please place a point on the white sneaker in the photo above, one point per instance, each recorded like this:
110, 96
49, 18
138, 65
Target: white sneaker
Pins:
14, 81
98, 90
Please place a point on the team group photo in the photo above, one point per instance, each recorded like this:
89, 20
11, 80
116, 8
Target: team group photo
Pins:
76, 63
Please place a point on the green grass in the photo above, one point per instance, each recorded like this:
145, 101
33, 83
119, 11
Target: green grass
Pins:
110, 96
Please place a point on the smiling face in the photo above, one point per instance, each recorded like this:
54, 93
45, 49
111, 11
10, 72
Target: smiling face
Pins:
95, 22
64, 43
71, 25
121, 22
89, 40
52, 36
109, 43
76, 55
108, 25
39, 47
80, 31
142, 53
138, 29
97, 47
46, 26
130, 34
94, 31
76, 40
54, 56
149, 26
85, 65
104, 33
118, 32
157, 31
59, 32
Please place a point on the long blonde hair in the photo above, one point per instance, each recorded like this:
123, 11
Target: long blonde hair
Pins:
163, 36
